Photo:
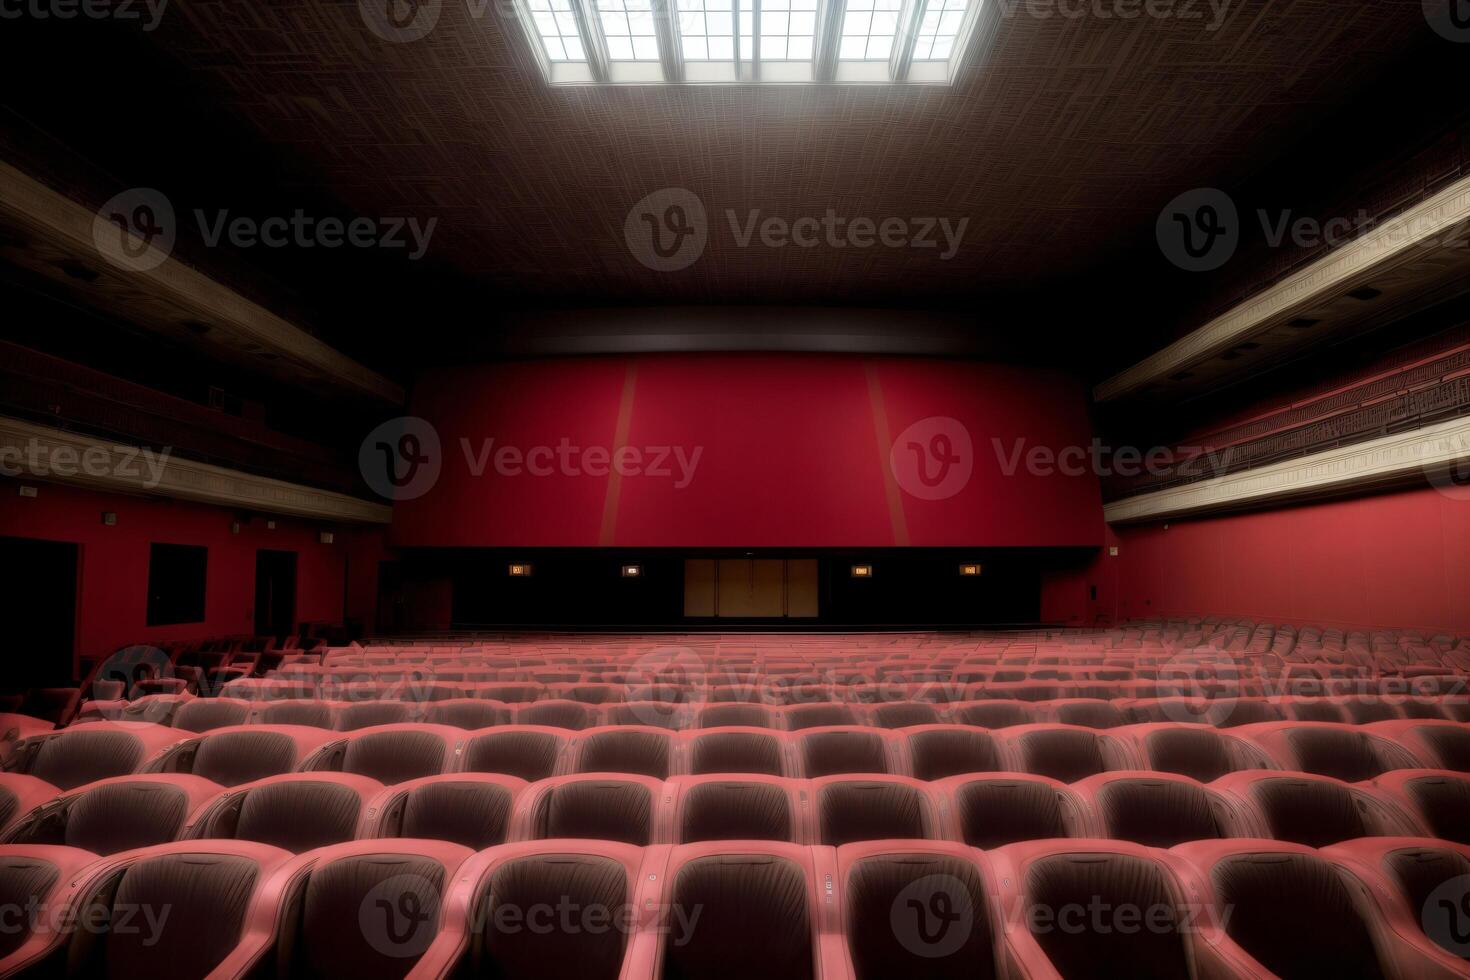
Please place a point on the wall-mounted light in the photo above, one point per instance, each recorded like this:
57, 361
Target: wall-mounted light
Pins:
862, 571
327, 537
632, 571
971, 570
520, 570
270, 525
109, 518
234, 527
29, 491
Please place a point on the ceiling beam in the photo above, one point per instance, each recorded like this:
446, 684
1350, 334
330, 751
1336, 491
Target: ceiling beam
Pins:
172, 299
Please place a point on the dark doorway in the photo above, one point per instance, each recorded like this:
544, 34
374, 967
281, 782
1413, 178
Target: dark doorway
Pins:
40, 611
275, 593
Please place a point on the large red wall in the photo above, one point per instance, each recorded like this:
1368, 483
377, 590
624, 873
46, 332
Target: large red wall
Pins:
1393, 560
792, 454
112, 597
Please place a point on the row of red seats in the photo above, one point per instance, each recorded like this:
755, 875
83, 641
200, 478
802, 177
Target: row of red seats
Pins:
204, 714
734, 910
396, 753
303, 810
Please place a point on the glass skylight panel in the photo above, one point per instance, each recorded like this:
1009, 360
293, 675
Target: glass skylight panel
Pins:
869, 28
938, 29
707, 30
556, 24
788, 30
629, 29
774, 42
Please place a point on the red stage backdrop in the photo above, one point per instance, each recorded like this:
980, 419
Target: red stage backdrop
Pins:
758, 451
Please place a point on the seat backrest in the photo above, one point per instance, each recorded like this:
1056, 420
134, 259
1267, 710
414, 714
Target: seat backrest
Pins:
1066, 755
356, 715
295, 815
596, 809
735, 714
508, 950
531, 755
1157, 812
473, 813
642, 753
885, 892
1450, 745
1444, 802
998, 811
1341, 753
557, 714
1293, 913
994, 714
307, 713
830, 753
736, 809
73, 758
731, 752
1419, 873
937, 753
468, 713
859, 809
1313, 812
1084, 947
803, 716
395, 755
243, 756
119, 816
905, 714
1090, 714
1199, 753
25, 881
743, 897
1364, 711
366, 916
203, 714
207, 896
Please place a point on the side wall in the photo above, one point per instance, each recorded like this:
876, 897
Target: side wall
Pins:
333, 581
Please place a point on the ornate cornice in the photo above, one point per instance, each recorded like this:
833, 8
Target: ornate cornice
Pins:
1424, 456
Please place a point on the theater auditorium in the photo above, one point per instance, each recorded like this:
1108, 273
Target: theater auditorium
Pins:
729, 489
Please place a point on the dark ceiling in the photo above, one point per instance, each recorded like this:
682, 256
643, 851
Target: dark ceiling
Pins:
1060, 142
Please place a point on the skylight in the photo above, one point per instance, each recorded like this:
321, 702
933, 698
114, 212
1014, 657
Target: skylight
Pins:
748, 41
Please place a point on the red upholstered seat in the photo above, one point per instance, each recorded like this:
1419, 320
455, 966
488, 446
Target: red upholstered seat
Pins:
294, 811
116, 814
